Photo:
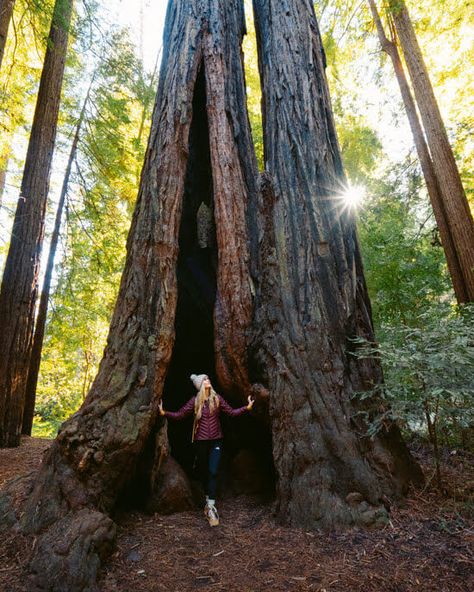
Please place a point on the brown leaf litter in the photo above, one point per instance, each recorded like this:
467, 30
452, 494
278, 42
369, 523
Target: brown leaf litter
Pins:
428, 545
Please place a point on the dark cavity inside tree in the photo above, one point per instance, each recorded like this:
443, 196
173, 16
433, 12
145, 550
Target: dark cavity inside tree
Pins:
197, 277
197, 272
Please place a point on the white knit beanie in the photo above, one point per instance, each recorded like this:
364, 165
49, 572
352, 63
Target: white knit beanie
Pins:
198, 379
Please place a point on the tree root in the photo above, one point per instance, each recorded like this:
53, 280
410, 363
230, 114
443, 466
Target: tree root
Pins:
69, 554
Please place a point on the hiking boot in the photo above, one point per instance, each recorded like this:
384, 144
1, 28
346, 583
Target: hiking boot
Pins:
211, 514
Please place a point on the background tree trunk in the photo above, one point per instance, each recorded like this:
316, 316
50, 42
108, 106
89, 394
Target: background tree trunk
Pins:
329, 472
98, 448
20, 278
6, 11
390, 47
35, 359
455, 203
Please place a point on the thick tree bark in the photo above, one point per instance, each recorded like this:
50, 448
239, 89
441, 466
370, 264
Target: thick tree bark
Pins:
390, 47
457, 209
315, 303
35, 359
6, 11
98, 448
20, 278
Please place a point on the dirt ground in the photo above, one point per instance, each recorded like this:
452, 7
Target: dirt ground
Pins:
428, 546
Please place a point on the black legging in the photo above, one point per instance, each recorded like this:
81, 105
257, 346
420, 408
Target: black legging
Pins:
208, 457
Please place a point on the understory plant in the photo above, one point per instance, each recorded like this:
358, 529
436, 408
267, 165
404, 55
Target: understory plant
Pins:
428, 377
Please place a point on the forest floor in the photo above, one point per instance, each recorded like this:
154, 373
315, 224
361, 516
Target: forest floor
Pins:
428, 545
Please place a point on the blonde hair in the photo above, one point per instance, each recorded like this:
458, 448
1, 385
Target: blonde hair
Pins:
200, 399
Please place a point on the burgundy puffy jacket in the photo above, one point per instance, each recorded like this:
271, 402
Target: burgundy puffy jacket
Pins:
209, 426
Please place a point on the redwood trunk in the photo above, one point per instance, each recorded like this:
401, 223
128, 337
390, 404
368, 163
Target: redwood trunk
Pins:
6, 11
432, 185
20, 278
98, 448
457, 209
315, 302
35, 360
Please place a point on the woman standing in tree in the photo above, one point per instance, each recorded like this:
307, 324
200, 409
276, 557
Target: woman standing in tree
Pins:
207, 435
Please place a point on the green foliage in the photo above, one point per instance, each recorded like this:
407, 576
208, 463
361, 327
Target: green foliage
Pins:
429, 373
254, 93
45, 429
99, 208
404, 261
361, 148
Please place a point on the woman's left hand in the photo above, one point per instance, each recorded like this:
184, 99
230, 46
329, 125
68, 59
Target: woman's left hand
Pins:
251, 402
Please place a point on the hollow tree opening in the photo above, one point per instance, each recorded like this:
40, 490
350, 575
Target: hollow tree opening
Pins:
193, 351
247, 447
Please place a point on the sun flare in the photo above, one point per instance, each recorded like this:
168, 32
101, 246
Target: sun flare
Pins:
354, 196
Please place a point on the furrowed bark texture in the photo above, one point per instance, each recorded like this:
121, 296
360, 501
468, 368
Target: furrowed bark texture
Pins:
457, 209
35, 359
329, 473
97, 449
233, 166
6, 11
20, 279
432, 185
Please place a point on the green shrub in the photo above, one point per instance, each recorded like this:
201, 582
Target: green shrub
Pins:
428, 375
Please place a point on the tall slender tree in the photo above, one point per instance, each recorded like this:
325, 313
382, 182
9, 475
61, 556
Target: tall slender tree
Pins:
105, 176
6, 12
458, 213
20, 279
432, 185
35, 359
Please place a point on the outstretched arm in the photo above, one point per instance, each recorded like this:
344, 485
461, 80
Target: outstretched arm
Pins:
181, 413
228, 410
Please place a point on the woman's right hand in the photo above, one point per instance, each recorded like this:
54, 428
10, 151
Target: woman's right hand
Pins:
160, 408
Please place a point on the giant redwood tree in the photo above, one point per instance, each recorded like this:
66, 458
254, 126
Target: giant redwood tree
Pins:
20, 278
257, 281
